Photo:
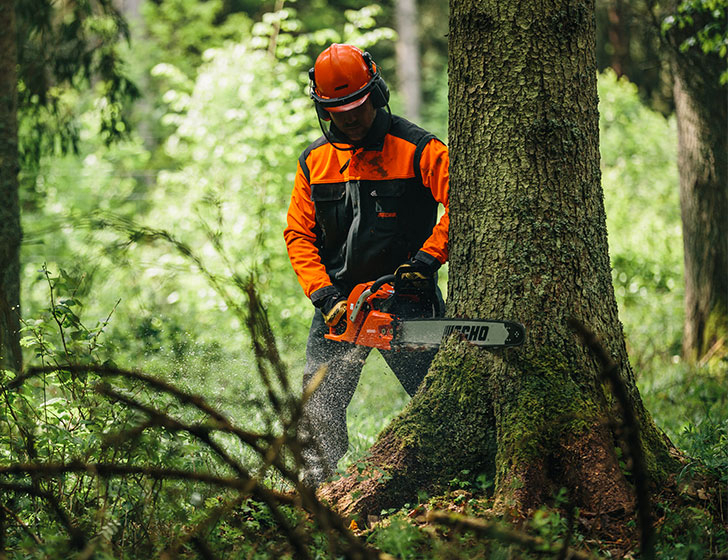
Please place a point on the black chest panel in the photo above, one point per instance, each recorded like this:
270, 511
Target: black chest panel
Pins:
366, 229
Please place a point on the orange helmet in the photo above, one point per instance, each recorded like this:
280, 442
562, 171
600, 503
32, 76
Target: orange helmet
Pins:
343, 78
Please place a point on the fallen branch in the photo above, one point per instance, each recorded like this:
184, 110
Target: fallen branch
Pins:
501, 534
106, 470
610, 372
78, 541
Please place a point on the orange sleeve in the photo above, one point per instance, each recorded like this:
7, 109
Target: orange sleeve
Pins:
434, 164
300, 237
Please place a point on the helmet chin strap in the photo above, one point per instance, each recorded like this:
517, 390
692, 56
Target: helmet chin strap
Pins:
328, 138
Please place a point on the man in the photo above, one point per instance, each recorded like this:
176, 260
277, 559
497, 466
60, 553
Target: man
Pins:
364, 204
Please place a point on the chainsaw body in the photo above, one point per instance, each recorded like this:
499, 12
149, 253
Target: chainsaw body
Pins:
366, 322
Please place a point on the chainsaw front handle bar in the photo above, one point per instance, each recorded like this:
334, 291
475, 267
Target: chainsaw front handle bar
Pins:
373, 289
387, 279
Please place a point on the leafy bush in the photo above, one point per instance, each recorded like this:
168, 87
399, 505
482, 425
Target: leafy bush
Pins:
639, 175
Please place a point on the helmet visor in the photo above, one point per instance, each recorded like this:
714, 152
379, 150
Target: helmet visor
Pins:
348, 106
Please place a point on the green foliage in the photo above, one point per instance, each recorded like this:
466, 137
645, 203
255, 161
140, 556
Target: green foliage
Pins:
62, 48
76, 342
688, 533
399, 538
707, 22
690, 403
639, 176
58, 418
185, 29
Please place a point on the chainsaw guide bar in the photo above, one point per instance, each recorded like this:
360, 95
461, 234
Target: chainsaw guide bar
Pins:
430, 333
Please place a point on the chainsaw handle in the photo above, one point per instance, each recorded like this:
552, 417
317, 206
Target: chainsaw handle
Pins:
373, 289
387, 279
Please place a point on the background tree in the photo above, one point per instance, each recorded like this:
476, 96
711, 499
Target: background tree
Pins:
51, 52
528, 242
408, 58
676, 53
697, 38
629, 42
10, 232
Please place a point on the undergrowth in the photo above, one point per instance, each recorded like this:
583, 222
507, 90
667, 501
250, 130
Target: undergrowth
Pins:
100, 462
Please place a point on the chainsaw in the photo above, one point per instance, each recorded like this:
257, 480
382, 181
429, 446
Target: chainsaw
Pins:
378, 317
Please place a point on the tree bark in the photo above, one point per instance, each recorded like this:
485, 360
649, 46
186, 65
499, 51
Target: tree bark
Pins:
701, 108
10, 230
408, 58
528, 242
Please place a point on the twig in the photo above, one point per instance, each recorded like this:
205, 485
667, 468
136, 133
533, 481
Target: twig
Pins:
61, 330
23, 525
712, 351
501, 534
203, 527
78, 541
202, 433
104, 470
610, 372
156, 383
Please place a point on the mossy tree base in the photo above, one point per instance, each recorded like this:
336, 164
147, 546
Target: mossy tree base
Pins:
450, 426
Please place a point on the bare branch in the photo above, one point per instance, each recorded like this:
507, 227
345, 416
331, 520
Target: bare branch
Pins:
610, 372
502, 534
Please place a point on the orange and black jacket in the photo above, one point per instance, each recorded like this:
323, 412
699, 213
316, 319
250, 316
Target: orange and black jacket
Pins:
357, 214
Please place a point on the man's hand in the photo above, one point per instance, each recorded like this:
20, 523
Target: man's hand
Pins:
415, 277
333, 308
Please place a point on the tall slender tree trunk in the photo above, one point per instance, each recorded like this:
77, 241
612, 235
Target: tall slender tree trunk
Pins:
618, 33
10, 231
408, 57
701, 108
528, 242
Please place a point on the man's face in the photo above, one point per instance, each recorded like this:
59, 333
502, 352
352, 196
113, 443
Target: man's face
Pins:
356, 122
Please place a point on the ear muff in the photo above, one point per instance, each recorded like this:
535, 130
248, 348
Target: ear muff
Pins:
377, 89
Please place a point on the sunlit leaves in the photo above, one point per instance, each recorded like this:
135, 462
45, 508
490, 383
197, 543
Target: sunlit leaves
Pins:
639, 175
64, 46
706, 24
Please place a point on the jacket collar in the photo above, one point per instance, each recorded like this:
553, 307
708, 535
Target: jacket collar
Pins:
374, 140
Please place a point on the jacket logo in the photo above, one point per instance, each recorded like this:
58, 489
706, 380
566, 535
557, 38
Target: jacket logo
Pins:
387, 215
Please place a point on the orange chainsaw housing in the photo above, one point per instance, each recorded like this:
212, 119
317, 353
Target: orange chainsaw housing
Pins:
370, 327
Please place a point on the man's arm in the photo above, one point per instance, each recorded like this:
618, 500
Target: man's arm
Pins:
434, 164
300, 238
417, 274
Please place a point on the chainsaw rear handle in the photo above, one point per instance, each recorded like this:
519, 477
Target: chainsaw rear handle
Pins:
373, 289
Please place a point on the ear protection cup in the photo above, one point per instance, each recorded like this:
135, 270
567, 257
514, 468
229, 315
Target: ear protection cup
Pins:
379, 92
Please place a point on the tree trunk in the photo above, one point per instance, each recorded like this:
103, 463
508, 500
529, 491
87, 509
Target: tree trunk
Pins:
408, 58
701, 108
10, 232
528, 242
618, 33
